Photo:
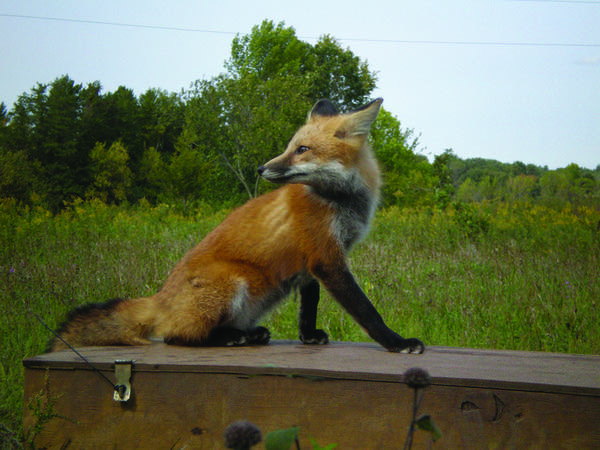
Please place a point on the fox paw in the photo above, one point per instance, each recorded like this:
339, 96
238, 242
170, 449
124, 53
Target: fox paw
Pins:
259, 336
227, 337
410, 345
318, 337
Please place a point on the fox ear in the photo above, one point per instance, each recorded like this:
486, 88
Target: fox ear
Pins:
358, 123
323, 108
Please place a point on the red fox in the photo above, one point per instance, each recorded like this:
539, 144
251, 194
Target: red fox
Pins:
295, 237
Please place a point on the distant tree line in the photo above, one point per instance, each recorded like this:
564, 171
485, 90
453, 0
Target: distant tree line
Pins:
478, 179
65, 141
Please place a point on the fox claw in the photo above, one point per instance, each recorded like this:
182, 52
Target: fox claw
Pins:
259, 336
318, 337
410, 345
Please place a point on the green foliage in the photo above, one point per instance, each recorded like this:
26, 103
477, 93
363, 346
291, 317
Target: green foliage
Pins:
201, 145
469, 252
529, 282
426, 423
41, 126
17, 176
269, 51
339, 75
273, 78
261, 116
471, 221
571, 185
408, 180
42, 407
111, 177
478, 180
161, 120
318, 447
521, 188
53, 133
326, 69
151, 175
281, 439
418, 380
205, 132
444, 190
204, 144
185, 174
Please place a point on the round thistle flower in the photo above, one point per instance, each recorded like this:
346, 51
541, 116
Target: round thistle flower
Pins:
417, 378
242, 435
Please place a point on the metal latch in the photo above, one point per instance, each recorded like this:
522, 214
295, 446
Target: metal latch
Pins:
122, 391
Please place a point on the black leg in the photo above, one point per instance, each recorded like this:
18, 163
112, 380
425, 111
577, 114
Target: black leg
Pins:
309, 300
343, 287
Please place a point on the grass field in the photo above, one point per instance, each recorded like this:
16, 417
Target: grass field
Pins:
489, 276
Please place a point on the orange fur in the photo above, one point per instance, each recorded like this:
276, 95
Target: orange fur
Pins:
265, 248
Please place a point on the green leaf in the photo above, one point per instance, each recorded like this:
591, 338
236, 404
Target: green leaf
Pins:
426, 423
318, 447
281, 439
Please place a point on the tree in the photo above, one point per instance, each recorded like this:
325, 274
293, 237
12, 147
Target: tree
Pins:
269, 51
186, 175
326, 69
468, 192
17, 176
3, 117
95, 118
521, 188
160, 120
256, 107
570, 185
444, 189
110, 174
152, 175
205, 135
339, 75
262, 118
45, 126
67, 136
121, 122
407, 175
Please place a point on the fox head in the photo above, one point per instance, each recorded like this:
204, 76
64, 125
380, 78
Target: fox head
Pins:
330, 152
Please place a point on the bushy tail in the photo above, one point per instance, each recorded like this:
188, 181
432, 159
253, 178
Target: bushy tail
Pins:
116, 322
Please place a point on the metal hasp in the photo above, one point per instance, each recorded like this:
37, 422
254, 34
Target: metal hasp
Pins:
122, 391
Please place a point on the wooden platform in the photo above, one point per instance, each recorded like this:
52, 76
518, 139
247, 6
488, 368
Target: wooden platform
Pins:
349, 394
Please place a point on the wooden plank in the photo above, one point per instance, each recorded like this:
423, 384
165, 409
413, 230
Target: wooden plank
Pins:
537, 371
349, 394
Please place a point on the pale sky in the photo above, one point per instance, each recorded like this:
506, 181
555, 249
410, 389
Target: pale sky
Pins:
512, 80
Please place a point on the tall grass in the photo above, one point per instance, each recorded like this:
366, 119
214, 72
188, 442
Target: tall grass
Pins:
504, 276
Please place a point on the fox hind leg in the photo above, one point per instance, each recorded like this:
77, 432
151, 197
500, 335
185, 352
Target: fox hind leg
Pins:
217, 313
232, 337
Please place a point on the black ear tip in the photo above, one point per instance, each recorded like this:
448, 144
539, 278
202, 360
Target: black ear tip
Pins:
324, 108
378, 101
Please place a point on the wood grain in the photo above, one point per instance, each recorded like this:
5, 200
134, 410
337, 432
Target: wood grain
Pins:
350, 394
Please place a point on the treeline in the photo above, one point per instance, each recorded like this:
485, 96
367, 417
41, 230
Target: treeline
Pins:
476, 180
65, 141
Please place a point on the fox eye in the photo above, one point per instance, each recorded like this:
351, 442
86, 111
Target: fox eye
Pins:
302, 149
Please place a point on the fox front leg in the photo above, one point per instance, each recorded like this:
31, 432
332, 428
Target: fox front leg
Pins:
309, 300
343, 287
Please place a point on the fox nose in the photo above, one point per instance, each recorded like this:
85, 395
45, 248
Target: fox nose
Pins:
260, 170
